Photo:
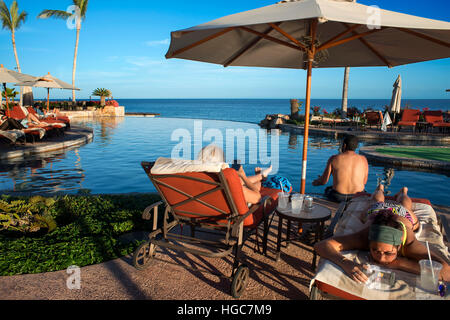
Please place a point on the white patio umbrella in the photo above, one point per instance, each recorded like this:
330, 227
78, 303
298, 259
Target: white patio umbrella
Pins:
48, 82
307, 34
396, 100
10, 76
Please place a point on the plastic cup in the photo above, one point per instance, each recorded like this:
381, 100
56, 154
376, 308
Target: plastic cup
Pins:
427, 281
297, 203
283, 200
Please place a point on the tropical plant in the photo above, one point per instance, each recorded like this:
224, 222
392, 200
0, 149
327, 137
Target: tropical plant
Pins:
27, 217
10, 93
80, 12
12, 20
103, 94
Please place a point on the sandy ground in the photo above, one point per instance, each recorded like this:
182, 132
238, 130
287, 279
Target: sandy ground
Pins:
288, 279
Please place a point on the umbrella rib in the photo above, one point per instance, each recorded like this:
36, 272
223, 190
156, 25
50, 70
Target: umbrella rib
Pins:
244, 50
211, 37
267, 37
348, 30
287, 35
424, 36
354, 37
370, 47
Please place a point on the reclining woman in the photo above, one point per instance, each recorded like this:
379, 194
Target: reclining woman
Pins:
251, 186
402, 207
390, 242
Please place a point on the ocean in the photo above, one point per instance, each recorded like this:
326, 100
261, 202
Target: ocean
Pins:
255, 110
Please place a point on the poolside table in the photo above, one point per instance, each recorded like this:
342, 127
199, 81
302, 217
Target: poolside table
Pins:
316, 215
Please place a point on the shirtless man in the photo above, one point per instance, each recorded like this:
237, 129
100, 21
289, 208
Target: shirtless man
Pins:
350, 172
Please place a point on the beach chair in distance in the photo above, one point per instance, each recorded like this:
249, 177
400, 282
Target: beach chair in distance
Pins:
51, 118
20, 113
211, 205
374, 118
435, 119
410, 118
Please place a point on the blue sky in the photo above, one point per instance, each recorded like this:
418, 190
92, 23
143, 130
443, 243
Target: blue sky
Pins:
123, 44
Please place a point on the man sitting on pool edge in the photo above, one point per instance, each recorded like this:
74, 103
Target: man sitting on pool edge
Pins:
350, 172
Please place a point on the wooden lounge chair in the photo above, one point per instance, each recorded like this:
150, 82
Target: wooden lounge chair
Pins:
20, 113
12, 137
331, 282
211, 204
410, 118
374, 118
51, 118
435, 119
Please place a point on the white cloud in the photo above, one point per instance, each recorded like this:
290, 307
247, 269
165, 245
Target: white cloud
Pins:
155, 43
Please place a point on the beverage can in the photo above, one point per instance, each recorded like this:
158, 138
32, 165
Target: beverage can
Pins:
309, 202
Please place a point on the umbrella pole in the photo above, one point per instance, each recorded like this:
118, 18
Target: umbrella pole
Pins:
48, 100
311, 54
7, 104
306, 133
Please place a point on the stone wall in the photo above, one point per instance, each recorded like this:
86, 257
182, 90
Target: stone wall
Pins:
108, 111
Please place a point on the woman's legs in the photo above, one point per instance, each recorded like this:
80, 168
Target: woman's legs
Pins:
378, 195
403, 198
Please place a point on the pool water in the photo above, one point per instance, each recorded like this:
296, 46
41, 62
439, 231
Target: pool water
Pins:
112, 162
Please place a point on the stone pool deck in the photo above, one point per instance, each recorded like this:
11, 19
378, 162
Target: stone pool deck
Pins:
288, 279
76, 136
424, 164
371, 135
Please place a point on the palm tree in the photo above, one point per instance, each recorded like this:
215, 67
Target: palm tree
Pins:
82, 6
10, 93
345, 93
103, 94
12, 20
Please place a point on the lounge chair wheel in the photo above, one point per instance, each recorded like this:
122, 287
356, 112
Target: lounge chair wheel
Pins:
240, 281
143, 255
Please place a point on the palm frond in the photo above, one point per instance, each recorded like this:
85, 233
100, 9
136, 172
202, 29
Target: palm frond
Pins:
16, 18
5, 16
58, 14
83, 5
101, 92
21, 19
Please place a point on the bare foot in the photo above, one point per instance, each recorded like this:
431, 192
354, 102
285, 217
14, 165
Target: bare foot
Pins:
265, 173
403, 192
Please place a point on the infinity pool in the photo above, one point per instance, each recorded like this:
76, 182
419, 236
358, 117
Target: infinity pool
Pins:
111, 164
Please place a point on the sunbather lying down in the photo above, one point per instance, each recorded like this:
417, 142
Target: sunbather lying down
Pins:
391, 242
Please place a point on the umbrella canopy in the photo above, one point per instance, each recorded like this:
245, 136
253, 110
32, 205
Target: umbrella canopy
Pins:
10, 76
279, 35
307, 34
49, 82
396, 100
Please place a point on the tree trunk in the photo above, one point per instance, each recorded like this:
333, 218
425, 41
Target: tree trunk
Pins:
75, 60
13, 36
345, 93
102, 101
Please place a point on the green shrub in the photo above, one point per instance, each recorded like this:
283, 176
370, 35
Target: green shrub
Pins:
86, 231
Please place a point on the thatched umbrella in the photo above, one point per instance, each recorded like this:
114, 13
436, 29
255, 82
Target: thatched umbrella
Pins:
10, 76
49, 82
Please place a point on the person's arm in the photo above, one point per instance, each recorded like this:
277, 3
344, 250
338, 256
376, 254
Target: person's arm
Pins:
331, 249
325, 177
416, 251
